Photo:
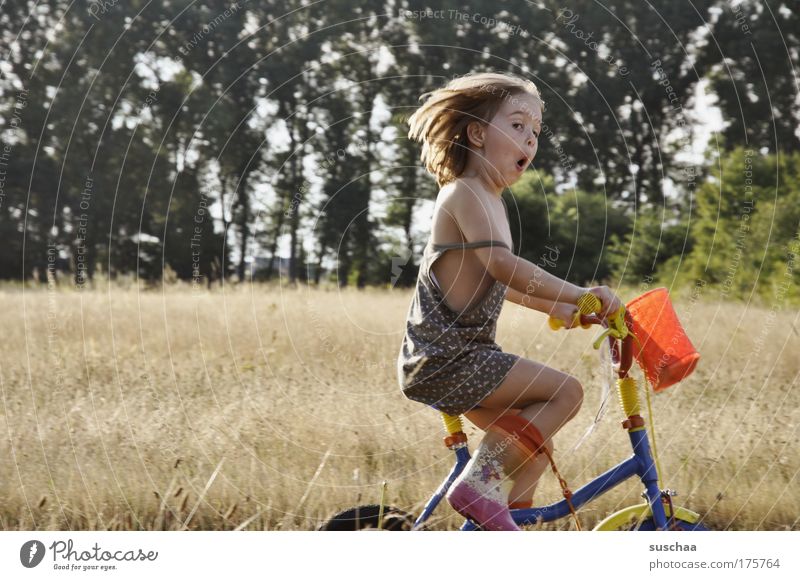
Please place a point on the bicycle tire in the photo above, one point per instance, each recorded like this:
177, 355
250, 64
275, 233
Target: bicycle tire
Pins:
638, 518
678, 525
365, 517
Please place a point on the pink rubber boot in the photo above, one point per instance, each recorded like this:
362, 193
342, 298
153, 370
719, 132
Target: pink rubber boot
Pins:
481, 492
488, 513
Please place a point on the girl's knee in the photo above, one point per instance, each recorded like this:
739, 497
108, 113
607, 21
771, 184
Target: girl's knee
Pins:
571, 393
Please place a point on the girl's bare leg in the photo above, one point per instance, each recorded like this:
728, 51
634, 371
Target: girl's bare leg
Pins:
546, 399
525, 483
544, 396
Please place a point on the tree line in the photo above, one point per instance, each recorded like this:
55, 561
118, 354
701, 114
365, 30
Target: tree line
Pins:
199, 139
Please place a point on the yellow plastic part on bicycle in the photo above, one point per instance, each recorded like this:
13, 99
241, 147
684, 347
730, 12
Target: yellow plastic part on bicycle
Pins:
616, 328
589, 304
452, 423
628, 396
637, 513
557, 323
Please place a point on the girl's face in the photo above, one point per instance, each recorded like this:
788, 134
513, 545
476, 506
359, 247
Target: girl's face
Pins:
511, 139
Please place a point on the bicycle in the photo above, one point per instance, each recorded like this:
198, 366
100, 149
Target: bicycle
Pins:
657, 513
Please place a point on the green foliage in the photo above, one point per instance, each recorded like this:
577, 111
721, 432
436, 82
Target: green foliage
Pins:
749, 65
746, 228
655, 238
569, 234
268, 113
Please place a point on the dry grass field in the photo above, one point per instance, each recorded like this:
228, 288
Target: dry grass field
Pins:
270, 408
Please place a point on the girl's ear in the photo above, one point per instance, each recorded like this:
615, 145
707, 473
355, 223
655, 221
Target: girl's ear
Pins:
475, 133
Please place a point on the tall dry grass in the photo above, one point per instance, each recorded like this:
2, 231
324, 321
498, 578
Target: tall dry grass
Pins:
271, 408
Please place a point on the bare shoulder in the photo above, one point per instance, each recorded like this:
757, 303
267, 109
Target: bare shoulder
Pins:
462, 195
478, 214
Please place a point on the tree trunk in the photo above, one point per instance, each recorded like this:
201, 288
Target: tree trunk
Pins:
244, 218
406, 278
637, 160
362, 230
294, 207
225, 223
318, 271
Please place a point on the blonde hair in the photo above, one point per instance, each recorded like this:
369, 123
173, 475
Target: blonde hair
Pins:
440, 124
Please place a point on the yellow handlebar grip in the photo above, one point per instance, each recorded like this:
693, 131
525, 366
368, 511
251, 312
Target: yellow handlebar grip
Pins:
589, 304
558, 324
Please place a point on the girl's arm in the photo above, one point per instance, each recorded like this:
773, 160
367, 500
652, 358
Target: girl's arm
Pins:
561, 310
473, 213
474, 217
528, 301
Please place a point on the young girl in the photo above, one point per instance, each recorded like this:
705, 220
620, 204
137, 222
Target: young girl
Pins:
479, 134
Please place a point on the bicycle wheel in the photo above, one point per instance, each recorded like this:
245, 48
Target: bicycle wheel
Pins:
678, 525
638, 518
365, 517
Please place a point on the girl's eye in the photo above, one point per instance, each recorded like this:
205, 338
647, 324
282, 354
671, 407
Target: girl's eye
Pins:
516, 125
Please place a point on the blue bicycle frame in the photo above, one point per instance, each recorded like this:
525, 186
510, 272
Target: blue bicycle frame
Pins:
639, 464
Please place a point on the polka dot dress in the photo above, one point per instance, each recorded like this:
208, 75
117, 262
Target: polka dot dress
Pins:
450, 360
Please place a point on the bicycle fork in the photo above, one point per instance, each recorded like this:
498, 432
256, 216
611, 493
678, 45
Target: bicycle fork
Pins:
648, 474
456, 441
634, 424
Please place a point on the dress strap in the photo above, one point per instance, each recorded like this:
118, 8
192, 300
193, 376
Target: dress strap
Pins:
469, 245
439, 249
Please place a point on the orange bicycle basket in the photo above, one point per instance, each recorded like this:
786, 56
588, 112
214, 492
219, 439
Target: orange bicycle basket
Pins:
664, 352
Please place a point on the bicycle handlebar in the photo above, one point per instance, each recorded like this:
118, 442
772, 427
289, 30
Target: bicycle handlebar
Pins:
617, 330
585, 321
588, 305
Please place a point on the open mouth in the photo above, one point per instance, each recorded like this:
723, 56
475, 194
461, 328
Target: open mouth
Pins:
521, 163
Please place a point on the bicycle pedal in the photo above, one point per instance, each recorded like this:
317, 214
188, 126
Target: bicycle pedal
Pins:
664, 493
